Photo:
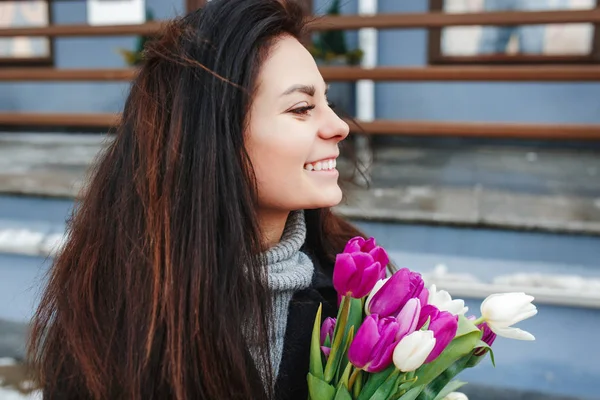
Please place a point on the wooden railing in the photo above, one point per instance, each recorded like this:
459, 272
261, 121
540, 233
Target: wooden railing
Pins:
575, 73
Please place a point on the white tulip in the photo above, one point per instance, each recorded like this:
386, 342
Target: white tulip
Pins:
443, 301
503, 310
375, 289
456, 396
412, 351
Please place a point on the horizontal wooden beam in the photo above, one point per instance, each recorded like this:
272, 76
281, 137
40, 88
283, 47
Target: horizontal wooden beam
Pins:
59, 120
577, 73
465, 73
380, 21
441, 19
53, 74
378, 127
480, 130
148, 28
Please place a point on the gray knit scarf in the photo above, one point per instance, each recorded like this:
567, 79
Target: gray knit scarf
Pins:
289, 270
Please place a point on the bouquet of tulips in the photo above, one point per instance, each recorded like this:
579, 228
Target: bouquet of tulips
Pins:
395, 339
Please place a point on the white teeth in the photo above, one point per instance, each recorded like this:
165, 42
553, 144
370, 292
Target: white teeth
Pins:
321, 165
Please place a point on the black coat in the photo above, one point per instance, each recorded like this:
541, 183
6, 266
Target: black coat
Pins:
291, 381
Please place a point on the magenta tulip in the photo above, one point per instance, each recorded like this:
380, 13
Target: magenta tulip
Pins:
355, 274
360, 245
327, 330
428, 311
408, 318
393, 295
424, 296
444, 326
488, 336
374, 343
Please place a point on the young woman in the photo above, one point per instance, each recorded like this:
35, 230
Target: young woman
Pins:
204, 243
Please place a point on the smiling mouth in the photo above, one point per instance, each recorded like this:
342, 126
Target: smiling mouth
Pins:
323, 165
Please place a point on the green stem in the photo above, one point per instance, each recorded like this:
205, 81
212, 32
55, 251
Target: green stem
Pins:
479, 321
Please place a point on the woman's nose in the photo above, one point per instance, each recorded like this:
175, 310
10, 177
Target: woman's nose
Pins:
333, 127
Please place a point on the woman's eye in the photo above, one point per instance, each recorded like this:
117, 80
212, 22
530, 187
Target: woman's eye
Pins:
302, 110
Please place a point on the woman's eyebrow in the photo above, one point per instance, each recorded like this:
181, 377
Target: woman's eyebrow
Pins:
306, 89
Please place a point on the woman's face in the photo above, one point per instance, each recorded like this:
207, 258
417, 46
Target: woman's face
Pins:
293, 134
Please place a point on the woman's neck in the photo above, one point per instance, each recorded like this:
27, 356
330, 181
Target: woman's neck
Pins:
272, 225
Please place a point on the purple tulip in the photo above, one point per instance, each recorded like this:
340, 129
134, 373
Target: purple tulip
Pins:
327, 330
444, 326
488, 337
393, 295
374, 343
355, 274
424, 296
408, 318
360, 245
427, 311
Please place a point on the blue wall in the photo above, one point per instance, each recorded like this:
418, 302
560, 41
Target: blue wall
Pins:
84, 52
519, 102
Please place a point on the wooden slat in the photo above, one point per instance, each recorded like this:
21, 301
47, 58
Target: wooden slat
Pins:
465, 73
379, 127
380, 21
481, 130
53, 120
439, 19
52, 74
578, 73
148, 28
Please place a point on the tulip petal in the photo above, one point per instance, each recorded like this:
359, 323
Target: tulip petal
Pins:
408, 318
368, 245
424, 296
369, 277
362, 261
379, 254
392, 296
427, 311
412, 350
506, 309
512, 333
444, 328
378, 285
364, 341
382, 353
354, 245
343, 271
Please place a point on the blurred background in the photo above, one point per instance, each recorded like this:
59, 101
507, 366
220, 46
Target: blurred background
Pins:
480, 141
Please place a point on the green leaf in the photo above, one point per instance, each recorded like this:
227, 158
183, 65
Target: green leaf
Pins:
388, 387
465, 326
337, 348
357, 386
431, 391
356, 314
482, 345
345, 376
316, 365
466, 339
374, 382
449, 388
342, 394
412, 394
318, 389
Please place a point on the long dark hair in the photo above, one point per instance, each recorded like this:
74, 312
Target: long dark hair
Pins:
149, 296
